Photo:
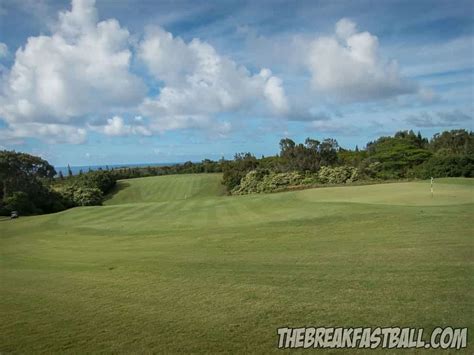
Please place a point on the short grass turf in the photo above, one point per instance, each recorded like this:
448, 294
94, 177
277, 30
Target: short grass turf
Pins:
171, 264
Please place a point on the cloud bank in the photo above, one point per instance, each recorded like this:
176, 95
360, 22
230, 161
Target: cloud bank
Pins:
83, 77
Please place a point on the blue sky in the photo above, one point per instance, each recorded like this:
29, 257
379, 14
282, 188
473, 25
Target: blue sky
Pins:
111, 82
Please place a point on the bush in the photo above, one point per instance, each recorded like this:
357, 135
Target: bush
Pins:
76, 195
338, 175
258, 181
279, 181
445, 166
250, 183
102, 180
370, 170
87, 189
19, 201
234, 171
86, 196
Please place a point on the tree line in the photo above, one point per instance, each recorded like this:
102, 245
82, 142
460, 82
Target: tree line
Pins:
30, 184
401, 156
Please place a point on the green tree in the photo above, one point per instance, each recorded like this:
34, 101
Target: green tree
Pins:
459, 142
19, 201
234, 171
396, 155
19, 170
27, 177
328, 151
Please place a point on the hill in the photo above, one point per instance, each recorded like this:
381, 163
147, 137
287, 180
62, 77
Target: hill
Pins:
167, 188
153, 271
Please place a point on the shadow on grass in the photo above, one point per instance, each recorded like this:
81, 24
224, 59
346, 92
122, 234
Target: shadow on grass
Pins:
119, 186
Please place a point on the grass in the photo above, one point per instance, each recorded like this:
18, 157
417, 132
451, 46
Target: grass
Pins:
167, 188
154, 272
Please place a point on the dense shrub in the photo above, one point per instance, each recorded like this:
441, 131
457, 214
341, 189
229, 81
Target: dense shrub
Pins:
338, 174
250, 183
87, 196
445, 166
102, 180
234, 171
265, 181
24, 181
369, 170
19, 201
278, 181
86, 190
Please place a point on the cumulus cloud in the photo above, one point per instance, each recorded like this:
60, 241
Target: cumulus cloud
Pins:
48, 132
200, 83
275, 94
82, 68
347, 65
81, 71
79, 78
439, 119
116, 126
3, 50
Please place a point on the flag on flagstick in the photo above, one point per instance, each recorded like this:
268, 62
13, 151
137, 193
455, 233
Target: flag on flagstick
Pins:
432, 186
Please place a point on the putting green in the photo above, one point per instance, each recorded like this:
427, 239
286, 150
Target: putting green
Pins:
171, 264
445, 192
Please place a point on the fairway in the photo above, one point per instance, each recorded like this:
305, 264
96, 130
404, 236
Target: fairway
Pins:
172, 264
166, 188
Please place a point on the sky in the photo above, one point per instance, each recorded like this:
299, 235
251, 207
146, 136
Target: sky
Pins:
115, 82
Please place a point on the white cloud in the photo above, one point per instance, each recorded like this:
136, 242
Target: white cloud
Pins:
116, 126
67, 82
82, 68
345, 28
275, 94
48, 132
199, 83
347, 66
168, 58
3, 50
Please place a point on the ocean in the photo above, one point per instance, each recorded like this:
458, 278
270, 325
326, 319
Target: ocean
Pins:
85, 168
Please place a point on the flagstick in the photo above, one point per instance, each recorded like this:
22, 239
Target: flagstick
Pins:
431, 187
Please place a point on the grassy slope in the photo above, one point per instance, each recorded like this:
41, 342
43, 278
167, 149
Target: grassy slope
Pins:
212, 273
167, 188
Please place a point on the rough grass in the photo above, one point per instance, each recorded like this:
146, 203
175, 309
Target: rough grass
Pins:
154, 272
